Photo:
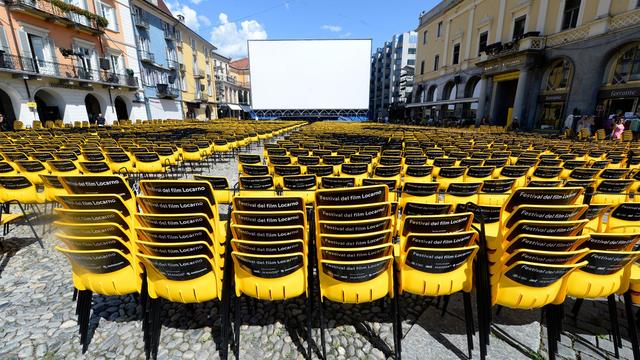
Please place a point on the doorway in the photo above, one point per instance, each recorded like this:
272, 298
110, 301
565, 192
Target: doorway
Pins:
504, 100
121, 109
47, 105
93, 107
6, 109
622, 105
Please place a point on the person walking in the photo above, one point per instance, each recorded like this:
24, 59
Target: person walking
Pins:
100, 119
618, 128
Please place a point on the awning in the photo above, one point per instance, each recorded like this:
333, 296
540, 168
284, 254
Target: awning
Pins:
246, 108
234, 107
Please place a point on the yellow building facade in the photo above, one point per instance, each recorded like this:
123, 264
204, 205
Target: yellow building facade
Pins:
508, 59
196, 75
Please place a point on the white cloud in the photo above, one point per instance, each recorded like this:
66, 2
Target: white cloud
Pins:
197, 2
191, 17
332, 28
231, 40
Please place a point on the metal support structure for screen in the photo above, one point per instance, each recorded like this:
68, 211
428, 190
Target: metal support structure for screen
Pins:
311, 113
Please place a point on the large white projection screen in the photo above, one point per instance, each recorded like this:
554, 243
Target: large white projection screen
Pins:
309, 74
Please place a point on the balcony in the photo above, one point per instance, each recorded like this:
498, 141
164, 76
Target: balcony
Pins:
203, 97
169, 34
146, 56
172, 64
119, 79
167, 92
46, 10
141, 21
28, 66
197, 74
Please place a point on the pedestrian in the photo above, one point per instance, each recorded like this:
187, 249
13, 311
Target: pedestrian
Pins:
92, 119
515, 124
618, 128
100, 119
608, 123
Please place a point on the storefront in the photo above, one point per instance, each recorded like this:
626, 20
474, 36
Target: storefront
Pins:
619, 100
551, 111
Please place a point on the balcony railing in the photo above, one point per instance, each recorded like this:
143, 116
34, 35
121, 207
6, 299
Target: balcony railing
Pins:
198, 74
141, 21
27, 65
204, 97
169, 35
119, 79
172, 64
166, 91
50, 12
146, 56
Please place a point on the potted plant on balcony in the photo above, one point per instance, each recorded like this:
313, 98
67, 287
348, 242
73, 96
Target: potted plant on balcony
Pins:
100, 21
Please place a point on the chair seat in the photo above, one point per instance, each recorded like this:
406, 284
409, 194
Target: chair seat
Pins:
9, 218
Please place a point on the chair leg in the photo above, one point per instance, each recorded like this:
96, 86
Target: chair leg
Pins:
396, 315
309, 304
322, 341
633, 331
551, 333
85, 298
156, 329
445, 304
236, 327
576, 307
615, 328
468, 321
226, 303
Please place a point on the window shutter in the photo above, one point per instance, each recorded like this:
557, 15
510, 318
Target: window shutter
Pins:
3, 40
25, 50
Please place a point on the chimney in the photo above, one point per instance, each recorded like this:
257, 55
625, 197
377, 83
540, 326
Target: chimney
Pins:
181, 18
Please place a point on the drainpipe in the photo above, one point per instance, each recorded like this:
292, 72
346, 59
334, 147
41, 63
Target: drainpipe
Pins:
15, 42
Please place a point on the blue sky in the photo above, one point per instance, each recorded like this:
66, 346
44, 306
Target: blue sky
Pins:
229, 23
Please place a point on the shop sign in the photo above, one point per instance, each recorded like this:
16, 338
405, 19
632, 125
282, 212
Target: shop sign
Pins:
620, 93
553, 98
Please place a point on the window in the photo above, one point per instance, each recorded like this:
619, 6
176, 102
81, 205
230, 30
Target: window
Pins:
116, 63
439, 33
424, 37
558, 76
482, 43
456, 54
193, 44
436, 62
422, 67
411, 62
570, 14
108, 13
412, 51
519, 26
627, 67
183, 82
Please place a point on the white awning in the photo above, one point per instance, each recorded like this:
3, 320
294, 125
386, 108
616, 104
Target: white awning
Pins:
234, 107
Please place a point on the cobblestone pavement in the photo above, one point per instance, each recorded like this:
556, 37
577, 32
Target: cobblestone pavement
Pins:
37, 321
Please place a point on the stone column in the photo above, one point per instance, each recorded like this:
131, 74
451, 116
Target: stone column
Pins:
521, 96
482, 98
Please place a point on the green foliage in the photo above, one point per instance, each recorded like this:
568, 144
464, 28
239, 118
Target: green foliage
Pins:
101, 21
